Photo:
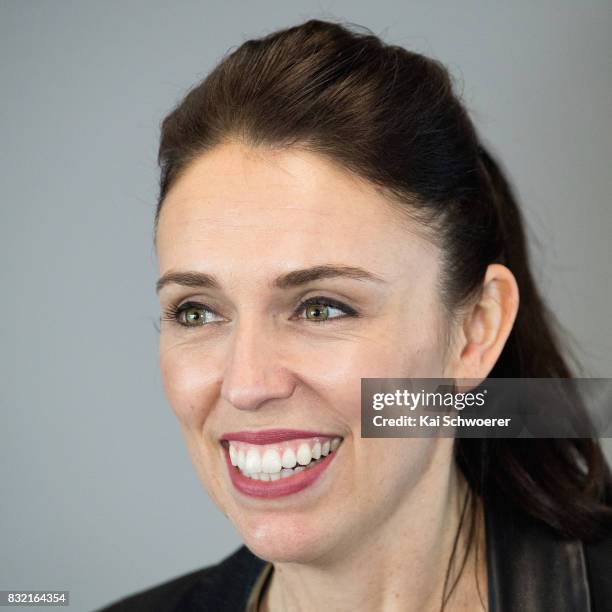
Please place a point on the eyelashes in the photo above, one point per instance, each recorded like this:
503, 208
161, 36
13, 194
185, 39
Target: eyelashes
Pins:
189, 311
195, 314
313, 305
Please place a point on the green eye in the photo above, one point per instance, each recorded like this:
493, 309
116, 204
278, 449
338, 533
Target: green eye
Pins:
317, 312
321, 309
194, 315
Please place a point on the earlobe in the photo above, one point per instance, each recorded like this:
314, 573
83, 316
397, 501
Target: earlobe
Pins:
488, 323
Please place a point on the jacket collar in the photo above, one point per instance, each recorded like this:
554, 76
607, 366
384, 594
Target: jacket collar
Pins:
529, 567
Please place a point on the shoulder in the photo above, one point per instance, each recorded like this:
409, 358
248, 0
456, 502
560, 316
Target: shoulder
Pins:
598, 560
223, 586
563, 574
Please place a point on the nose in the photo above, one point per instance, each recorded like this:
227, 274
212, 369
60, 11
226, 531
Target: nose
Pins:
255, 373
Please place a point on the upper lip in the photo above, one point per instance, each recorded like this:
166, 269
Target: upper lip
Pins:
270, 436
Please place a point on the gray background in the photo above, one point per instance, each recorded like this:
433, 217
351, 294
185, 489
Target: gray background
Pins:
98, 492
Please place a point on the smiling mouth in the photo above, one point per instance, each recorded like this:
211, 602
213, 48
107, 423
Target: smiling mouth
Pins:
271, 462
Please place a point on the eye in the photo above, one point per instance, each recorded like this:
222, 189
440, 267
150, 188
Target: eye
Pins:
320, 309
191, 314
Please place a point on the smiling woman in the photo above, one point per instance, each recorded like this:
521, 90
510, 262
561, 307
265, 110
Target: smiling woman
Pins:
327, 214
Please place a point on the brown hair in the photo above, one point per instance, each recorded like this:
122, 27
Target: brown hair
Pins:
390, 116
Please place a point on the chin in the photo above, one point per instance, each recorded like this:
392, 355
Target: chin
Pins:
284, 539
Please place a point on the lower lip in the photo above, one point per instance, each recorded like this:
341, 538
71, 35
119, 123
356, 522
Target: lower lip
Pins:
277, 488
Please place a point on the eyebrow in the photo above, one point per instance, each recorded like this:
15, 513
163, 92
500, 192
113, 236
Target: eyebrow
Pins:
295, 278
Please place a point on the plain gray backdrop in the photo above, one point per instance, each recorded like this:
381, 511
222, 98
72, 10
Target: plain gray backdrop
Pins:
98, 492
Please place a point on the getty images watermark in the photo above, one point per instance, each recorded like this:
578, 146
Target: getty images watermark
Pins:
492, 408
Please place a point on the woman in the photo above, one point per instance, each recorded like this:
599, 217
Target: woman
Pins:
328, 214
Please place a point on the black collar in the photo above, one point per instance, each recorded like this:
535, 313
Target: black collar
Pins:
531, 568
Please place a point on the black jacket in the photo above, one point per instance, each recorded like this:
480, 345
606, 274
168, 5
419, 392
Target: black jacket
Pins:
529, 569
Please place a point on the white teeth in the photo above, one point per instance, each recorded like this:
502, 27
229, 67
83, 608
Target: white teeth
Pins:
253, 462
303, 454
271, 462
288, 460
283, 473
276, 463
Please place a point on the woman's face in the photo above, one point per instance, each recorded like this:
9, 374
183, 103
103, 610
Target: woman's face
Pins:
259, 234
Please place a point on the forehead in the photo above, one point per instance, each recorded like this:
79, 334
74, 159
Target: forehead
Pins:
283, 208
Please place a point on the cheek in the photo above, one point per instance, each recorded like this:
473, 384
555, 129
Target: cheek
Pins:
410, 353
191, 391
418, 351
189, 385
392, 470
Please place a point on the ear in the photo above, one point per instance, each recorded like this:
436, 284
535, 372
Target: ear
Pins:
487, 325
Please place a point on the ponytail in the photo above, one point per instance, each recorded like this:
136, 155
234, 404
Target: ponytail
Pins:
558, 481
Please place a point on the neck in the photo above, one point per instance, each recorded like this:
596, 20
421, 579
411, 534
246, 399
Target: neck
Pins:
400, 565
